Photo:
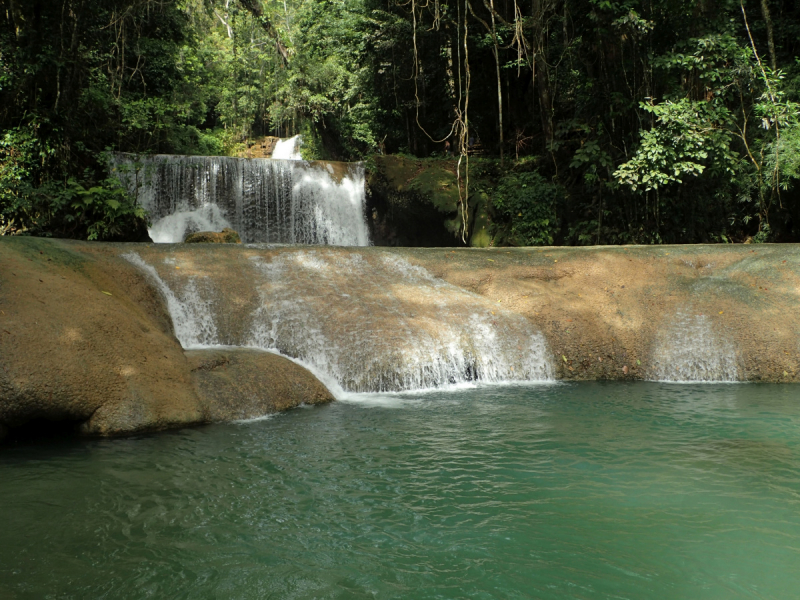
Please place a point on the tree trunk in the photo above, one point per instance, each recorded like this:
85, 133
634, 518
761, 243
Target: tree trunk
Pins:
499, 86
770, 35
541, 71
545, 101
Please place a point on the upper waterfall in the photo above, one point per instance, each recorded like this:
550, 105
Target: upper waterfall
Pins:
288, 149
265, 200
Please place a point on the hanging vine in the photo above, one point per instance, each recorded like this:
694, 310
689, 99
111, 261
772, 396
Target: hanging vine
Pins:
459, 129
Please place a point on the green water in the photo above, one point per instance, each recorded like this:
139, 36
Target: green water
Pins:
641, 491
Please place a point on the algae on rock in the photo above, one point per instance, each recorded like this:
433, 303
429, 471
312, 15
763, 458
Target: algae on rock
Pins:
226, 236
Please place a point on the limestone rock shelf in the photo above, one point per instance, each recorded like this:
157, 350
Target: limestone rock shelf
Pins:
86, 336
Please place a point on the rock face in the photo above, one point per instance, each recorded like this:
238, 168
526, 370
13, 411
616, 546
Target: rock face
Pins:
85, 338
603, 309
244, 384
85, 335
600, 309
226, 236
414, 202
411, 203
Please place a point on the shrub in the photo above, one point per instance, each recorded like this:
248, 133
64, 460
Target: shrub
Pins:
526, 203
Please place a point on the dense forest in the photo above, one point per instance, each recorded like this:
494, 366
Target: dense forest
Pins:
584, 121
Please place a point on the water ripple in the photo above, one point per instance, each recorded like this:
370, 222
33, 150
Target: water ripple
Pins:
571, 491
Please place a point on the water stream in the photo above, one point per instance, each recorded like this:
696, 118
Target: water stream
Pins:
689, 349
371, 321
288, 149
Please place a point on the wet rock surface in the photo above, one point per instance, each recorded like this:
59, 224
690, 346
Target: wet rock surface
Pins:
226, 236
600, 309
245, 384
603, 309
85, 336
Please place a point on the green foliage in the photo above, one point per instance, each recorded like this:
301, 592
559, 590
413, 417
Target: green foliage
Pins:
527, 205
104, 211
655, 122
688, 138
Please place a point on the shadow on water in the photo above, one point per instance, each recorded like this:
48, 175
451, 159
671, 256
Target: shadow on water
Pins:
41, 432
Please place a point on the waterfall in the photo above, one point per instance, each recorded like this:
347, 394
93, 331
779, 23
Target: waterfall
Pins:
288, 149
265, 200
372, 321
689, 350
191, 315
176, 226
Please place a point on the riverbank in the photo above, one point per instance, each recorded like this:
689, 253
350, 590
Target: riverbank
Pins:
86, 337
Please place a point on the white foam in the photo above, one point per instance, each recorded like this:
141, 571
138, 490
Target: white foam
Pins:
450, 337
174, 228
191, 315
288, 149
264, 200
361, 323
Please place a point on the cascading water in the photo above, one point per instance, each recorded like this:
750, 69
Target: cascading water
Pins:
402, 328
372, 321
264, 200
288, 149
191, 315
175, 227
689, 350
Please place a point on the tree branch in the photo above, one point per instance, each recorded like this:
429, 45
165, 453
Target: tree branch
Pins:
255, 9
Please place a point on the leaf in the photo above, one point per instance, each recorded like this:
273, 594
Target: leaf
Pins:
107, 293
564, 357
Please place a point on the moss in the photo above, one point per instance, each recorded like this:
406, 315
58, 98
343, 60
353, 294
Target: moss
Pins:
439, 186
226, 236
481, 223
433, 180
414, 201
396, 171
44, 250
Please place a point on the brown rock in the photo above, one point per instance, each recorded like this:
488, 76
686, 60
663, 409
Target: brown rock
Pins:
85, 337
69, 351
226, 236
246, 383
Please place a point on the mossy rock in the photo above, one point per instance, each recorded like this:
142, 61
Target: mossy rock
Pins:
413, 202
243, 383
433, 180
226, 236
482, 225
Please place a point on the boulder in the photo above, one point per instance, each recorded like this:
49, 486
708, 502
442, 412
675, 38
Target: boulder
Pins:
238, 383
83, 339
86, 340
226, 236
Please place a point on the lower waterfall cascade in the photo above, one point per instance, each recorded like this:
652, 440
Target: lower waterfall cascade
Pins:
374, 323
689, 350
265, 200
